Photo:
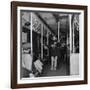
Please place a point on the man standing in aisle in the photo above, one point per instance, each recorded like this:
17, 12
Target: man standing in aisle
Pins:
54, 56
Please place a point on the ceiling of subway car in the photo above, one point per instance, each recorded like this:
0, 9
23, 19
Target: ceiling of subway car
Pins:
52, 20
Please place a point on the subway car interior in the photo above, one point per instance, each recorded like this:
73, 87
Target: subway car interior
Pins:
39, 30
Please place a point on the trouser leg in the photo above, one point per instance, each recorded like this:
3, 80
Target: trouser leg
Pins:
55, 63
52, 62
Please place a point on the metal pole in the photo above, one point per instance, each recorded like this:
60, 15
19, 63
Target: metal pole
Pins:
47, 37
30, 18
73, 38
42, 41
70, 28
58, 30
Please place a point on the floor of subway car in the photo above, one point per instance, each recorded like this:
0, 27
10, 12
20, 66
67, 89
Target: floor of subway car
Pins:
60, 71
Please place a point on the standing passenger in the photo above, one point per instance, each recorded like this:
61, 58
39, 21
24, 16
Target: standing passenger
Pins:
54, 56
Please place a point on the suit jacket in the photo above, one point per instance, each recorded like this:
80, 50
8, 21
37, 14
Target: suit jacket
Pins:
54, 51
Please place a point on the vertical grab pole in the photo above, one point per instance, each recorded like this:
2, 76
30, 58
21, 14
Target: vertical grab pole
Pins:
73, 38
58, 30
42, 41
70, 41
31, 37
70, 28
47, 37
47, 41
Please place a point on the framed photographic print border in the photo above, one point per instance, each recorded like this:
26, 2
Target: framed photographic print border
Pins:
14, 26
